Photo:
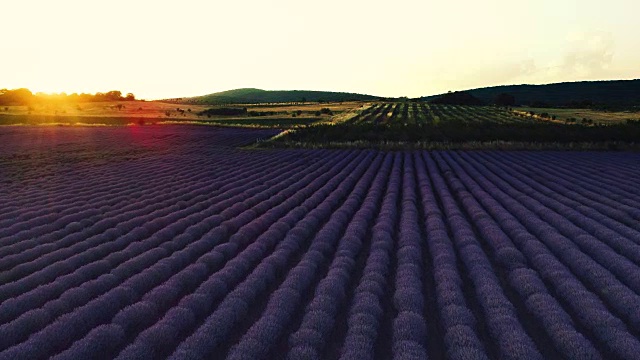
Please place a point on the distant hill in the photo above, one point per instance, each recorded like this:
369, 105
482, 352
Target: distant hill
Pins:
457, 98
612, 93
255, 96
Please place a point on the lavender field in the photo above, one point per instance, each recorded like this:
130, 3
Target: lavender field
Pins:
172, 242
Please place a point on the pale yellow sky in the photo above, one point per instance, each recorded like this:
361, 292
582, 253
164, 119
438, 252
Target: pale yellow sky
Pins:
160, 49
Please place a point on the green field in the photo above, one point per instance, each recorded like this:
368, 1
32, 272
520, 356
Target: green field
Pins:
421, 113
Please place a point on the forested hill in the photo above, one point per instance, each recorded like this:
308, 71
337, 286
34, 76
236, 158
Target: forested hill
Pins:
254, 96
583, 93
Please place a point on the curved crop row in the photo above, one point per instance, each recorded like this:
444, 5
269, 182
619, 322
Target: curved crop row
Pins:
169, 242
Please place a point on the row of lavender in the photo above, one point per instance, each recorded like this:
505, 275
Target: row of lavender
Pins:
209, 252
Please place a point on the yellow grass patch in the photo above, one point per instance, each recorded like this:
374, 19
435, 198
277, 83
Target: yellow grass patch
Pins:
597, 116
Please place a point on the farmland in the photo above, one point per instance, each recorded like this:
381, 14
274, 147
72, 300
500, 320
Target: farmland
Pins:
118, 113
419, 125
145, 242
603, 117
396, 125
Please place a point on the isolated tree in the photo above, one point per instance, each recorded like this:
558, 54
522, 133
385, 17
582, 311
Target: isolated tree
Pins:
130, 97
113, 95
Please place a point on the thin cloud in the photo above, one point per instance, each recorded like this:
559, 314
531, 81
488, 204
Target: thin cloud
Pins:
590, 54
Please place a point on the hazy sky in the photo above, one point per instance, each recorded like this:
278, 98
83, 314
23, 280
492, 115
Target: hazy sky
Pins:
159, 49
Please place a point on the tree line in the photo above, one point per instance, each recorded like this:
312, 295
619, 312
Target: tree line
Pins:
26, 97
